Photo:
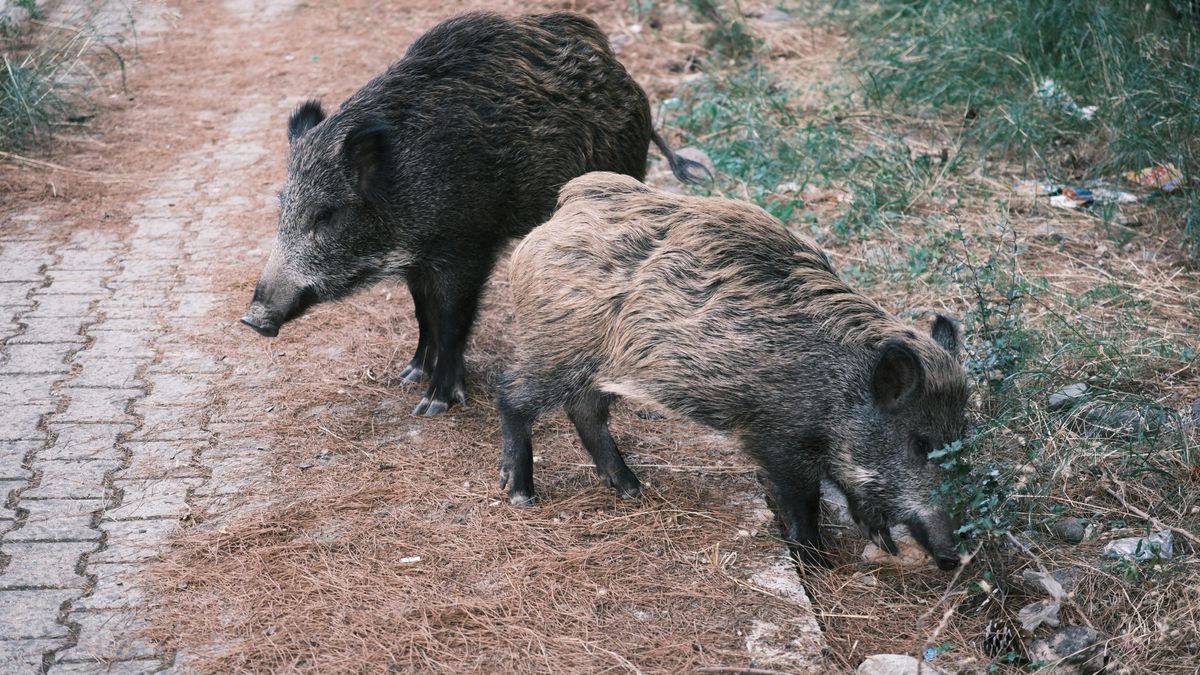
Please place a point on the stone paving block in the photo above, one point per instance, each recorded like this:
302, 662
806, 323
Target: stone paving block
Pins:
101, 667
7, 486
117, 586
20, 422
133, 540
91, 240
170, 424
43, 564
178, 390
85, 441
28, 614
146, 325
234, 474
71, 479
191, 305
25, 656
107, 636
28, 389
21, 268
100, 370
58, 520
129, 345
157, 248
59, 306
152, 498
62, 329
16, 293
12, 459
85, 259
187, 361
74, 283
147, 271
98, 405
39, 358
162, 459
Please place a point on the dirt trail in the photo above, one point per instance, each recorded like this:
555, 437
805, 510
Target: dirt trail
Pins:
184, 495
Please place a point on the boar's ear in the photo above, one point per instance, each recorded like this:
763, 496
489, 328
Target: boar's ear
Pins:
304, 118
945, 333
368, 157
898, 375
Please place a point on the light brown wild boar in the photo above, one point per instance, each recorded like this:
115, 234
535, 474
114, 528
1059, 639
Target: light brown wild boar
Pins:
711, 309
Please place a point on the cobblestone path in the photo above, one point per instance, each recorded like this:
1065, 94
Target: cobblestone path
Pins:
107, 442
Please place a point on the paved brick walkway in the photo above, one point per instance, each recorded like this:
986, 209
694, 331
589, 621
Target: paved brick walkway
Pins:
106, 439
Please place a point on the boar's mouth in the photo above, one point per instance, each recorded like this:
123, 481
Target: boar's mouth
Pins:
943, 550
265, 317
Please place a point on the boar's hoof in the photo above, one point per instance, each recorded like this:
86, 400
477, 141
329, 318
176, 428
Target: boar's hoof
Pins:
627, 485
810, 556
520, 499
412, 374
430, 408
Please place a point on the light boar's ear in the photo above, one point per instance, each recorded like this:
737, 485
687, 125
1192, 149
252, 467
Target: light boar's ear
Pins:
945, 333
898, 375
307, 116
368, 157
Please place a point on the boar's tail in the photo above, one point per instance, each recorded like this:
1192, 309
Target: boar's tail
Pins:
686, 170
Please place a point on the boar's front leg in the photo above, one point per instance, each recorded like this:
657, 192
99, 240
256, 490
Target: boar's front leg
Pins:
795, 485
422, 360
452, 305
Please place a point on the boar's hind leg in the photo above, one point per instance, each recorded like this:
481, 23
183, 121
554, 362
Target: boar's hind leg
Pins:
422, 360
517, 413
590, 417
796, 493
451, 304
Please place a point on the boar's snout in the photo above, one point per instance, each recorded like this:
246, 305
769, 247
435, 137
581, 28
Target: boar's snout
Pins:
273, 306
935, 534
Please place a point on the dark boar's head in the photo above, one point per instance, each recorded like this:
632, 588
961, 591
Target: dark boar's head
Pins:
333, 234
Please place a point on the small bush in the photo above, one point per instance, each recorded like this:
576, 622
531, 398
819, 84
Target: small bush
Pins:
45, 72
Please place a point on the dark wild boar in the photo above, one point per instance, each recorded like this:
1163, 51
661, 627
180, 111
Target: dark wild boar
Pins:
428, 170
712, 310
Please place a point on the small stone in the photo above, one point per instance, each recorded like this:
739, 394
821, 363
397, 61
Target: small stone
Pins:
1074, 649
775, 16
1195, 419
1157, 545
1067, 396
1036, 613
894, 664
1070, 530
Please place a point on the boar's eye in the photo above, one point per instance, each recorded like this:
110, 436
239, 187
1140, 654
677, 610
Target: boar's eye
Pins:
322, 218
921, 448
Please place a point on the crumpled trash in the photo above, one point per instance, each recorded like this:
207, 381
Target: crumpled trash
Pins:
1110, 196
1072, 198
1037, 613
1165, 176
1035, 188
1050, 92
1157, 545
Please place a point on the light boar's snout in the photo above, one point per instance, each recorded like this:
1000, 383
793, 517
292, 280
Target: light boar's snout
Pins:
275, 302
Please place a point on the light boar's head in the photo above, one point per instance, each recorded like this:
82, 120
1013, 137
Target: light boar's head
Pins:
914, 402
333, 235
